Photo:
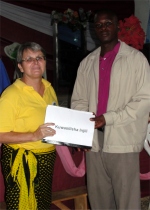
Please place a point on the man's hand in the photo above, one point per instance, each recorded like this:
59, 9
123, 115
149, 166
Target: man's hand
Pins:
99, 121
85, 150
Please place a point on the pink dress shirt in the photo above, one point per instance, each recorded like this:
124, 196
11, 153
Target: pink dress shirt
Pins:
105, 65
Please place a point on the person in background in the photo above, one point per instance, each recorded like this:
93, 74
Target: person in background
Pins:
4, 79
114, 83
27, 163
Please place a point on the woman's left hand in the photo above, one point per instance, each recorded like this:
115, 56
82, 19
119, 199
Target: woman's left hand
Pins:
44, 130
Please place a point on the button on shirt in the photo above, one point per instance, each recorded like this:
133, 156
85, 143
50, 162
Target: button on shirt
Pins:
105, 64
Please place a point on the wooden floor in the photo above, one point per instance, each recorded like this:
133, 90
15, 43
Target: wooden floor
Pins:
2, 206
144, 204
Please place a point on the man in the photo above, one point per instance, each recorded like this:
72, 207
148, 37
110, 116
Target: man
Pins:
114, 83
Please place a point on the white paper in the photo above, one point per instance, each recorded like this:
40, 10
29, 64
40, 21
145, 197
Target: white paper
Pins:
73, 128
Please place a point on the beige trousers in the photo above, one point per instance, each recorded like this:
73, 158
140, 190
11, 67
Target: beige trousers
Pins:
113, 180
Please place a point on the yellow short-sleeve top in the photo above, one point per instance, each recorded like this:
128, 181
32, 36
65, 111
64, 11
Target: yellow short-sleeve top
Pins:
22, 109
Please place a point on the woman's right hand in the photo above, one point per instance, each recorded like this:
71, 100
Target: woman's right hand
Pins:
44, 130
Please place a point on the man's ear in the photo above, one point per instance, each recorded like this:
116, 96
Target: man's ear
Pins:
20, 67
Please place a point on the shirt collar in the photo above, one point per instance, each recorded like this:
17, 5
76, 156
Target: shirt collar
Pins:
22, 85
113, 51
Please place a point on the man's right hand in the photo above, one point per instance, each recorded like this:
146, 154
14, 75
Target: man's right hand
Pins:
99, 121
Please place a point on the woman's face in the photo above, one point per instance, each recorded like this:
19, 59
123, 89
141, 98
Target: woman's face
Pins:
33, 64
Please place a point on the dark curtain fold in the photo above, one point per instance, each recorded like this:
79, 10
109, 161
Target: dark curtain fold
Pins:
124, 8
15, 32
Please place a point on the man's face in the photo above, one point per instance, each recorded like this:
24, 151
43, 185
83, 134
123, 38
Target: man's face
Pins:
106, 28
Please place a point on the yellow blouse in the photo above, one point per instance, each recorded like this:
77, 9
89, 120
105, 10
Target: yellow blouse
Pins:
22, 109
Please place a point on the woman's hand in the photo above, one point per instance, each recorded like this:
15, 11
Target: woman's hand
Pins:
18, 137
44, 130
99, 121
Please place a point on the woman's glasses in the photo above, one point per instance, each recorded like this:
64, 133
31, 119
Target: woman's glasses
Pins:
31, 60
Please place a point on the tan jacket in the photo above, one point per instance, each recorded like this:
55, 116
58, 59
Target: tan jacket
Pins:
128, 103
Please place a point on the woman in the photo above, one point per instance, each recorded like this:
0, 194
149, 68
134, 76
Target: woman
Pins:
27, 162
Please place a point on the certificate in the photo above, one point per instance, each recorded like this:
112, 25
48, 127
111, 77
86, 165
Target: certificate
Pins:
73, 127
